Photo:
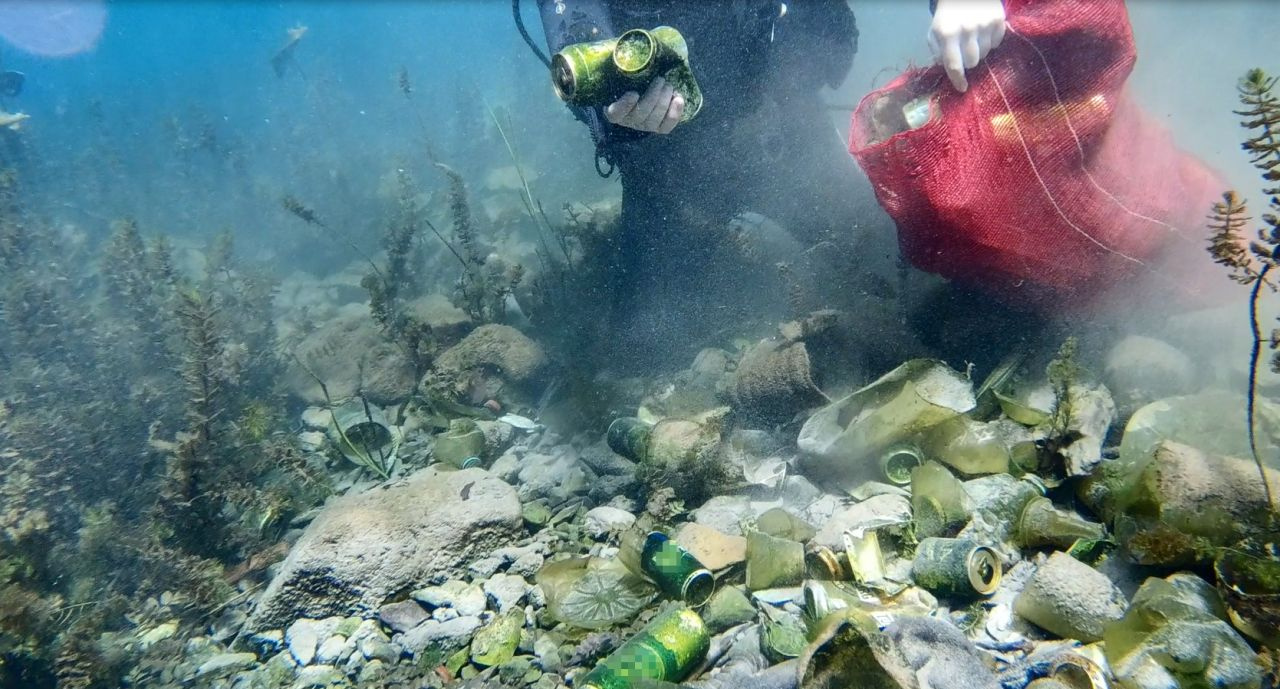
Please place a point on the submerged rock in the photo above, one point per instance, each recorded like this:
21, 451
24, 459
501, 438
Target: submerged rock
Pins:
501, 347
361, 550
1141, 369
601, 522
352, 358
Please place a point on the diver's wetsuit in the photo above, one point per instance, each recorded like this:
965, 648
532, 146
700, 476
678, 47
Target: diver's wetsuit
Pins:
762, 142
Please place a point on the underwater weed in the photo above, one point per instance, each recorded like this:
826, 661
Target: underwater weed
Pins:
1252, 267
485, 283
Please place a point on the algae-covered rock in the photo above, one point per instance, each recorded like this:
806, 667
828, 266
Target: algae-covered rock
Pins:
496, 642
727, 608
503, 348
363, 549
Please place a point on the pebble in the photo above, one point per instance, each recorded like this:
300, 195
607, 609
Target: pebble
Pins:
506, 590
601, 522
303, 638
527, 565
547, 649
485, 567
452, 633
319, 677
316, 419
310, 441
402, 616
377, 649
225, 664
331, 650
372, 673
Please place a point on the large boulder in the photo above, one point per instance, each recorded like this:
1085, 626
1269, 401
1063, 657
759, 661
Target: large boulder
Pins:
352, 357
363, 550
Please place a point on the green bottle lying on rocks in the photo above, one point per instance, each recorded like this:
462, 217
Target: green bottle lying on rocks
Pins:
667, 649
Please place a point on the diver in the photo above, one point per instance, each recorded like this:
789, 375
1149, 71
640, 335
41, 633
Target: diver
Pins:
765, 143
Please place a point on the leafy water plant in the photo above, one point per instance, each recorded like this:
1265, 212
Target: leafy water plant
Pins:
1253, 266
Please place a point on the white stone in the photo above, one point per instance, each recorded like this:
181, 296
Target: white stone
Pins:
600, 522
453, 633
310, 441
331, 650
303, 638
506, 590
316, 418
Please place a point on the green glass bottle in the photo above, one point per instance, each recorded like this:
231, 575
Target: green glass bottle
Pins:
667, 649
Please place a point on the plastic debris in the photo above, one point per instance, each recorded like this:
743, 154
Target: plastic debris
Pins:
1070, 599
1173, 635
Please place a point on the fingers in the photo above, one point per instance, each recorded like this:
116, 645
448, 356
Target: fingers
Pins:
970, 50
674, 113
620, 110
953, 62
997, 34
963, 33
658, 110
653, 106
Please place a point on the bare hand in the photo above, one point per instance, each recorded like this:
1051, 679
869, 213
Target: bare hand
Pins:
657, 111
963, 32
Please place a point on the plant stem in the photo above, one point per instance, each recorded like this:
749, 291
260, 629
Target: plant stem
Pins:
1254, 355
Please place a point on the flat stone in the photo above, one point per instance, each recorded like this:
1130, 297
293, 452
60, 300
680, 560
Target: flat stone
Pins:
225, 664
714, 549
402, 616
454, 633
604, 521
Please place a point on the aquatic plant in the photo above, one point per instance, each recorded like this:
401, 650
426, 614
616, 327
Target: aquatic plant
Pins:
486, 282
1252, 266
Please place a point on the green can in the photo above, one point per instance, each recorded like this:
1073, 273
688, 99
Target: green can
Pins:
629, 437
956, 567
599, 72
667, 649
675, 571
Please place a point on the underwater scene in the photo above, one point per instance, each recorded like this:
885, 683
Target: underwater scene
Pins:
639, 344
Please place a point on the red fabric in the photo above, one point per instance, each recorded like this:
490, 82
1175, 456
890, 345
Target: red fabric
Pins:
998, 192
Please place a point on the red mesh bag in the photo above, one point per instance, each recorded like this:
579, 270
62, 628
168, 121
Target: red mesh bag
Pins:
1044, 184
